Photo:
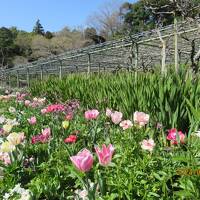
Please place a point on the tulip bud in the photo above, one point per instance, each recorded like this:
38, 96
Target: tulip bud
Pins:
65, 124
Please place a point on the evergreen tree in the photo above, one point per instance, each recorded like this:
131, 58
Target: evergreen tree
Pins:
38, 28
48, 35
7, 47
147, 14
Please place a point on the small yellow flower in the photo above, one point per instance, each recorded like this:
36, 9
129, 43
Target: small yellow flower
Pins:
65, 124
7, 147
7, 128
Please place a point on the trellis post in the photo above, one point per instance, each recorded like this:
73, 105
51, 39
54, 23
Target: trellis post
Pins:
27, 77
163, 53
60, 70
176, 45
41, 72
89, 63
136, 55
18, 79
9, 81
2, 81
179, 56
99, 67
132, 54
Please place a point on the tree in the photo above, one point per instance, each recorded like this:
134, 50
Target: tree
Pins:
176, 9
23, 42
89, 32
68, 39
179, 9
107, 20
48, 35
136, 17
6, 46
91, 37
38, 28
147, 14
41, 47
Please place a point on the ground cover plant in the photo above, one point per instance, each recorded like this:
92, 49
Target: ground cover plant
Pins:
122, 136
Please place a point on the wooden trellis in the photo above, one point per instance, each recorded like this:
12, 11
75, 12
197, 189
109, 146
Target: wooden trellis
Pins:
142, 51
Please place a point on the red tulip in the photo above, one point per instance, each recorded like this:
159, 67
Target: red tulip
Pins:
71, 139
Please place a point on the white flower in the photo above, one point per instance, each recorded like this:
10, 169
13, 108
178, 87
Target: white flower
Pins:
6, 196
12, 110
1, 140
18, 189
198, 133
82, 194
2, 119
12, 122
25, 194
35, 99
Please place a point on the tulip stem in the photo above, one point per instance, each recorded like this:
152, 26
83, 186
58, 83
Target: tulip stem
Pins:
91, 193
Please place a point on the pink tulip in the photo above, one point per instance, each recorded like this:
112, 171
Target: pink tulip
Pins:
141, 118
105, 155
108, 112
46, 132
116, 117
173, 137
83, 161
43, 111
55, 108
4, 156
27, 102
148, 144
32, 120
43, 137
91, 114
126, 124
69, 116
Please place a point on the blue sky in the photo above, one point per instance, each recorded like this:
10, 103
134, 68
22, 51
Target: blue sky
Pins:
53, 14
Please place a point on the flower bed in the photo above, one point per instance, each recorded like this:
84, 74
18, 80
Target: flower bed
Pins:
64, 151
